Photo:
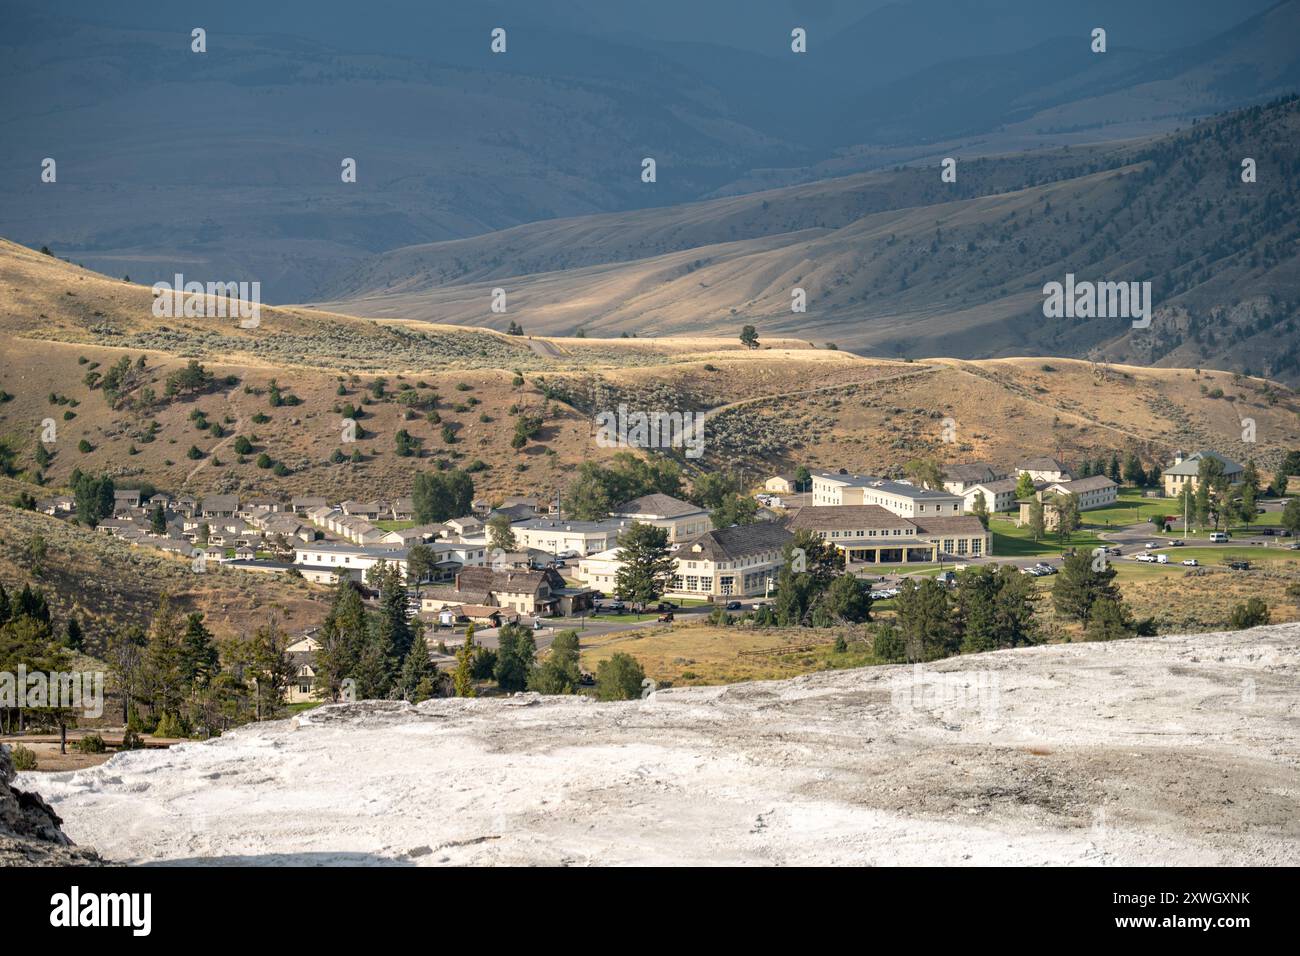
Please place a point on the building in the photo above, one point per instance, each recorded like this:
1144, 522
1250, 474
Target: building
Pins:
831, 489
870, 534
780, 485
1186, 471
1044, 469
538, 593
682, 519
960, 478
219, 506
302, 654
998, 495
600, 570
126, 501
1095, 491
569, 537
320, 561
731, 562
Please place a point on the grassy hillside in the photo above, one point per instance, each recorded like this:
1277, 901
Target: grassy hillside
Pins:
899, 264
62, 329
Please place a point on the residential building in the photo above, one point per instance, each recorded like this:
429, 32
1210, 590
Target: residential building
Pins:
302, 654
542, 592
682, 519
959, 478
1185, 471
871, 534
1044, 469
998, 495
901, 497
780, 484
568, 537
1095, 491
731, 562
219, 506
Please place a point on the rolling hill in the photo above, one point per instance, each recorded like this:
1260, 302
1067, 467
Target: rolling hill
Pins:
63, 329
895, 266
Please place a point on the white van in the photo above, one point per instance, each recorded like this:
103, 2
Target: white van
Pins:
1218, 537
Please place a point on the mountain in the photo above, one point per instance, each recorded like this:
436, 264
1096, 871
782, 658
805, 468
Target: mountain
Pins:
899, 264
226, 165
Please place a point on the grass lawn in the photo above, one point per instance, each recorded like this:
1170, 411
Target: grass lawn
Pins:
1130, 508
1012, 542
395, 525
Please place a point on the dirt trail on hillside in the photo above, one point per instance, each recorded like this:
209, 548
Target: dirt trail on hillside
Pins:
1174, 750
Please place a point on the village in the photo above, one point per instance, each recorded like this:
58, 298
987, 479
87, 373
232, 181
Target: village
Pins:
522, 561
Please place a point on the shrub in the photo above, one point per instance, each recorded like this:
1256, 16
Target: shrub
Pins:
90, 744
1251, 614
84, 446
171, 725
131, 740
24, 758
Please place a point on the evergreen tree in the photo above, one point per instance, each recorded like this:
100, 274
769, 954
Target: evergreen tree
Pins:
515, 656
1109, 620
199, 659
925, 620
463, 678
418, 678
1114, 472
980, 509
73, 637
157, 520
164, 682
646, 566
342, 638
847, 601
1079, 586
394, 622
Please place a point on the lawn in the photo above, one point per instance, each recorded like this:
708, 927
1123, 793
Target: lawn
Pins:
1130, 508
1012, 542
395, 525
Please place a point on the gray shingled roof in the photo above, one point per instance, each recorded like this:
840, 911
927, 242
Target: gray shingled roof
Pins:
729, 544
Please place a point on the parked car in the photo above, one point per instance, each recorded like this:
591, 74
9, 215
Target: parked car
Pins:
1283, 533
1267, 532
733, 605
667, 606
1191, 562
1115, 550
666, 618
614, 607
1147, 558
1239, 565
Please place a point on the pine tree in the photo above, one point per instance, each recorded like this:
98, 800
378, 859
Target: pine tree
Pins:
646, 565
418, 677
980, 509
343, 636
157, 520
925, 621
463, 678
1109, 620
515, 656
73, 637
199, 660
1079, 586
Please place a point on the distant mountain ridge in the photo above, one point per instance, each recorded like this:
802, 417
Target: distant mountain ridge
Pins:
894, 265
